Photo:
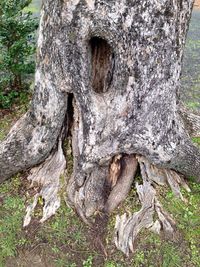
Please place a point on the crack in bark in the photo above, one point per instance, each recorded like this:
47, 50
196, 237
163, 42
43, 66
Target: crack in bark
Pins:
138, 115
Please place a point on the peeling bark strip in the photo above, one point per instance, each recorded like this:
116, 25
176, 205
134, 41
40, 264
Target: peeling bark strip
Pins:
108, 72
128, 228
47, 176
138, 113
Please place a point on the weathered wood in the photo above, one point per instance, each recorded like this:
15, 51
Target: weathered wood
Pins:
123, 183
138, 114
191, 121
108, 72
128, 228
162, 176
47, 178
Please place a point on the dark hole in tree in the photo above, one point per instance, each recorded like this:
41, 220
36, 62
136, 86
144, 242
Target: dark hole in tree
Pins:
67, 144
102, 64
70, 114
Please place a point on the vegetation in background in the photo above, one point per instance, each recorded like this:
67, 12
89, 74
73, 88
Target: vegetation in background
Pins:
190, 84
17, 49
63, 240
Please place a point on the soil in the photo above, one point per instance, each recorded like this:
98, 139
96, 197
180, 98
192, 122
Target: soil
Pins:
40, 255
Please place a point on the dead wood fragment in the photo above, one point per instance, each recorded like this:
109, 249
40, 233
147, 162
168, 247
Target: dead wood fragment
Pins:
174, 181
123, 184
47, 175
128, 228
89, 198
115, 170
167, 222
162, 176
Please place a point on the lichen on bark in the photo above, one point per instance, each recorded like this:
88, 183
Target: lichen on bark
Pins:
108, 77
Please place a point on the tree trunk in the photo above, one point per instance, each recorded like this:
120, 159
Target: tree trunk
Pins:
108, 76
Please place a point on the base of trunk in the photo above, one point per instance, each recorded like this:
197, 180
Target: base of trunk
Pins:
104, 189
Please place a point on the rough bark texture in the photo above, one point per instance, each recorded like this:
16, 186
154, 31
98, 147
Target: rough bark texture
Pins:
138, 113
109, 73
191, 121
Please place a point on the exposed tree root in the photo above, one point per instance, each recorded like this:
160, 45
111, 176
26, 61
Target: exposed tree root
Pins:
122, 183
104, 188
127, 228
138, 114
47, 176
162, 176
89, 198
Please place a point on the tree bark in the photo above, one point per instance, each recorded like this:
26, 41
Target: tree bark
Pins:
109, 74
191, 121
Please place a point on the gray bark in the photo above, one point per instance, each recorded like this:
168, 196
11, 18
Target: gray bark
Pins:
109, 73
191, 121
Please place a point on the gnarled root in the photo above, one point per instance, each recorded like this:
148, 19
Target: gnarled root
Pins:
162, 176
122, 183
104, 188
89, 197
127, 228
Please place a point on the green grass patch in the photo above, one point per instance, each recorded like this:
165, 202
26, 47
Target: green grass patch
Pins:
193, 105
63, 239
11, 215
187, 218
196, 140
32, 8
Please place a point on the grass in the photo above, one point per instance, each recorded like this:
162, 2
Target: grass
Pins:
187, 218
191, 65
63, 240
11, 215
155, 251
193, 105
196, 140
